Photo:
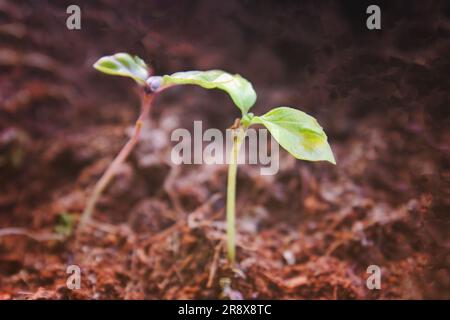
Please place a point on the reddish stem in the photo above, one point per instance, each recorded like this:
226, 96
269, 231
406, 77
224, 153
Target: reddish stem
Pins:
117, 162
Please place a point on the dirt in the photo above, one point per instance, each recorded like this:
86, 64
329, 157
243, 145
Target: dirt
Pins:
309, 232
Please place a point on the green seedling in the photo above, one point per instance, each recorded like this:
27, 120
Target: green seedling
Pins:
66, 223
298, 133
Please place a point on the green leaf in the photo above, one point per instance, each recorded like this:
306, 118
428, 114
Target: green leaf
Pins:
125, 65
66, 224
298, 133
240, 90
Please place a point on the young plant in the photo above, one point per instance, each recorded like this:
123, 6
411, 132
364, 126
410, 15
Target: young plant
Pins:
294, 130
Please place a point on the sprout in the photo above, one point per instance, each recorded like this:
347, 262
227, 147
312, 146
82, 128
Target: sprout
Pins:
298, 133
154, 83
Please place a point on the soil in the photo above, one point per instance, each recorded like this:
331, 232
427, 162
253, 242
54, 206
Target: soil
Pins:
309, 232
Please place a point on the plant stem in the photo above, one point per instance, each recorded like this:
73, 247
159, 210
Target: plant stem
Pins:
117, 162
238, 135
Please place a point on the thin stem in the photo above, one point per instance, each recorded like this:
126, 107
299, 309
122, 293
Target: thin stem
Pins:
117, 162
238, 135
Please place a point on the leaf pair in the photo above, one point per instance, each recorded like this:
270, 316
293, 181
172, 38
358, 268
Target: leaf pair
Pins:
294, 130
240, 90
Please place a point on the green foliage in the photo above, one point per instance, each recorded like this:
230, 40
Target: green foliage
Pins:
240, 90
295, 131
125, 65
65, 224
122, 64
298, 133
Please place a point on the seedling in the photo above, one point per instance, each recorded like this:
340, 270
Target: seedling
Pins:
298, 133
65, 224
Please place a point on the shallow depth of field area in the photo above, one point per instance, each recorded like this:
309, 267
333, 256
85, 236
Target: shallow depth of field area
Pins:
308, 232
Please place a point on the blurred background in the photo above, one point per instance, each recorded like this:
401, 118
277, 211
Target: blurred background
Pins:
309, 232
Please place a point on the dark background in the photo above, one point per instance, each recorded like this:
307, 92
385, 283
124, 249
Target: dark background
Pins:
309, 232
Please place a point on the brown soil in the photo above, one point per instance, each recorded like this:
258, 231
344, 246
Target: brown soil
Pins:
310, 232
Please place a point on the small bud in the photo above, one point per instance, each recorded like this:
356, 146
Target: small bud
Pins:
154, 82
